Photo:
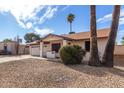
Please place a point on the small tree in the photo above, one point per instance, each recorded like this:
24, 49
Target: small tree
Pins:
7, 40
71, 54
30, 37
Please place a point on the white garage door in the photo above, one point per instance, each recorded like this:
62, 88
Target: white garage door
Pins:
35, 50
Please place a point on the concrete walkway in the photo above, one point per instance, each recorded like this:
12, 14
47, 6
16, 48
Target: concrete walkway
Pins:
21, 57
14, 58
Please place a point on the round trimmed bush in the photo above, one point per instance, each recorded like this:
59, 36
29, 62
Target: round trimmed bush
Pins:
71, 54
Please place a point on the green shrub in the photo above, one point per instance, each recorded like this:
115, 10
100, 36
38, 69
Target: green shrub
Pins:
71, 54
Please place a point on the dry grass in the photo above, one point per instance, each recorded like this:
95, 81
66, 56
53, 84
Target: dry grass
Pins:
40, 73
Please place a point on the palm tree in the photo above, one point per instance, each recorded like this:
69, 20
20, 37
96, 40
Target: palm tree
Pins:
94, 57
108, 56
70, 19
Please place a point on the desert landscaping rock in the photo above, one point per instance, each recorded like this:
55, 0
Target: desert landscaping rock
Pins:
36, 73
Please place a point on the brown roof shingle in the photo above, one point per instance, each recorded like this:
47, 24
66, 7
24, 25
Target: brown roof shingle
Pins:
86, 35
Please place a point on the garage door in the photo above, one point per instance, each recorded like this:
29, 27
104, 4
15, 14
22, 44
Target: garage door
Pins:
35, 50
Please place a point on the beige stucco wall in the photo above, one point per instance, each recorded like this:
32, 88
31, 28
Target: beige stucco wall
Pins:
48, 47
13, 48
101, 46
119, 55
1, 46
23, 49
79, 42
119, 50
119, 60
10, 47
51, 39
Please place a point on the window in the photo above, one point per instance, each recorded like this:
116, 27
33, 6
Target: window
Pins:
56, 47
87, 46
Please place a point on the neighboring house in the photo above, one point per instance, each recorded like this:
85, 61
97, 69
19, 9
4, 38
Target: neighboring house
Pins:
8, 46
49, 45
11, 47
119, 55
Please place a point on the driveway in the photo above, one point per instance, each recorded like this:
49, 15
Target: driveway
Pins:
14, 58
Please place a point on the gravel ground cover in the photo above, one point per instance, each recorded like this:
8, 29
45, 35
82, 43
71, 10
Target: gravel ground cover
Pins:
36, 73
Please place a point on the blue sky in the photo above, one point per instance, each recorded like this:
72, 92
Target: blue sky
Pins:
21, 19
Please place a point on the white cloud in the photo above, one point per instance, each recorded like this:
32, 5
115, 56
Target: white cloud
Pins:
67, 6
43, 32
29, 25
108, 18
105, 18
48, 14
26, 10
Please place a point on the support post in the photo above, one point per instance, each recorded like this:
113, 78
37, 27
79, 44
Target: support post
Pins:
64, 42
41, 49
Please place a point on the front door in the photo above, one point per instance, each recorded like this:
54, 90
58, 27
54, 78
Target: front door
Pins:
56, 47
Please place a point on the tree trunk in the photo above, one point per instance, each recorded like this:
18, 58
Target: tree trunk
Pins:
108, 56
70, 27
94, 57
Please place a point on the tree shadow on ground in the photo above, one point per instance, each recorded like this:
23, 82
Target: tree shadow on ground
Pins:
97, 71
117, 71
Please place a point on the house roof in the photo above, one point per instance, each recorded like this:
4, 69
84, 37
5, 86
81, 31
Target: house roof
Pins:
61, 36
37, 42
102, 33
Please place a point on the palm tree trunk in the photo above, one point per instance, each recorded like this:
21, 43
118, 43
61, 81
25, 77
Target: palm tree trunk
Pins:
94, 57
108, 56
70, 27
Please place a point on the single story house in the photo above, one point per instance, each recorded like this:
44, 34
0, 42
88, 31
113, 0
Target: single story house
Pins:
11, 47
49, 45
8, 46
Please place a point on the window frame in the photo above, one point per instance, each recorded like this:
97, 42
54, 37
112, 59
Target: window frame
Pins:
58, 45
